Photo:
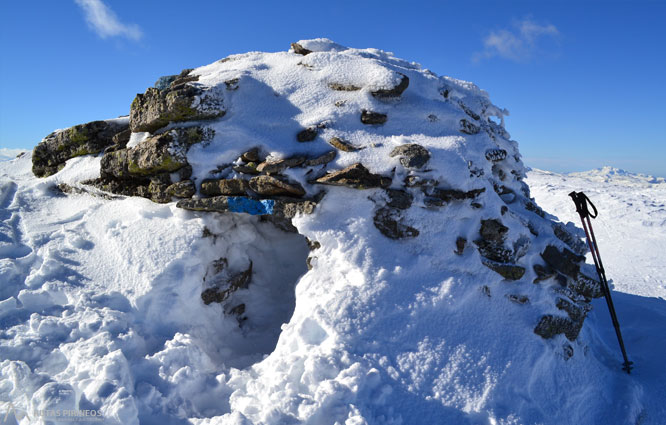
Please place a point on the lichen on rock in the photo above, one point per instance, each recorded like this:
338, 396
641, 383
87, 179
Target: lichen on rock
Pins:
50, 155
178, 102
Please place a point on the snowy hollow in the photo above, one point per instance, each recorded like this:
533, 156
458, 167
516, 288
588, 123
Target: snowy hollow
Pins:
325, 235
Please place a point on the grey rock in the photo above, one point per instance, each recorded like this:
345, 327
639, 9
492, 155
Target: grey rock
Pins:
448, 195
307, 135
184, 173
493, 230
321, 160
572, 241
518, 299
389, 222
121, 139
549, 326
238, 311
468, 128
313, 245
507, 271
495, 154
300, 50
564, 261
214, 204
343, 87
586, 286
222, 291
543, 272
342, 145
418, 181
280, 165
473, 170
369, 117
271, 186
411, 155
164, 153
567, 351
158, 192
229, 187
469, 111
136, 187
50, 155
232, 84
290, 208
499, 172
355, 176
491, 245
460, 245
179, 102
531, 206
64, 188
399, 198
394, 91
251, 156
576, 311
181, 189
249, 168
494, 251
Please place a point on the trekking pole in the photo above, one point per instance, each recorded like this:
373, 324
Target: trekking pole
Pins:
581, 200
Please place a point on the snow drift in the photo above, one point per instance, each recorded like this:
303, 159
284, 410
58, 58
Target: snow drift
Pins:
324, 235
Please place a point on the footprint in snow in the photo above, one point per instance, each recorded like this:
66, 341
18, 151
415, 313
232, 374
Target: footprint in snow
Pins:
11, 245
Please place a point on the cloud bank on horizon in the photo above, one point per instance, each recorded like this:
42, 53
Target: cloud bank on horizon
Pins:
104, 21
519, 44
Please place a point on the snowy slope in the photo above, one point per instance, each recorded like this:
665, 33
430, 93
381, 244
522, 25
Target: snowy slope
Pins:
7, 154
101, 308
631, 226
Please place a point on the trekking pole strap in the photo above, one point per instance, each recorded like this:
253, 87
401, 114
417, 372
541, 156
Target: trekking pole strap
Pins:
582, 201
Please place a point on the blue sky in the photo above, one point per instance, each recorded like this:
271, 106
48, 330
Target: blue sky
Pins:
584, 80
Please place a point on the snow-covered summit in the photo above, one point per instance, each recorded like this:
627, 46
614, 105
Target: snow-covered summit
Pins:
320, 235
608, 173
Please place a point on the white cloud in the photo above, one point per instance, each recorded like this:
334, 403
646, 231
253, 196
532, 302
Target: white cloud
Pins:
105, 23
518, 44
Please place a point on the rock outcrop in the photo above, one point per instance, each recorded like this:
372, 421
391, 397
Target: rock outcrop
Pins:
50, 155
174, 99
156, 169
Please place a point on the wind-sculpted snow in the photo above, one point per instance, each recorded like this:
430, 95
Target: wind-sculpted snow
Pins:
403, 277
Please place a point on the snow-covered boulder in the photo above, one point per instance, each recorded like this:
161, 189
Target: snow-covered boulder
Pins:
436, 290
50, 155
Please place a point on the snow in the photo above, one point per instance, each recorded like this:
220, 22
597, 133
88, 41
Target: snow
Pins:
7, 154
101, 308
630, 228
